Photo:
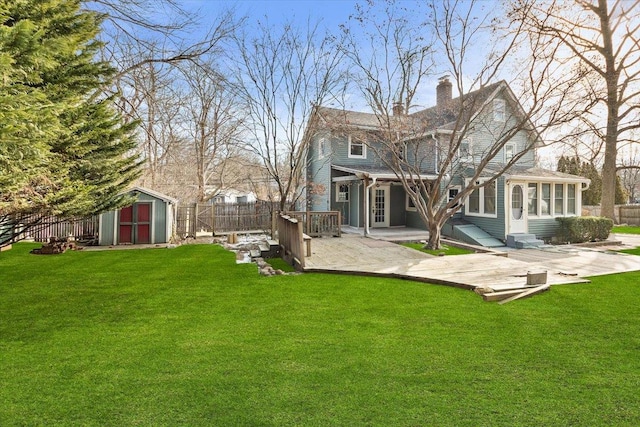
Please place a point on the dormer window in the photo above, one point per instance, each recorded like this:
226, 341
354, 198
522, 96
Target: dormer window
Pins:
499, 114
357, 149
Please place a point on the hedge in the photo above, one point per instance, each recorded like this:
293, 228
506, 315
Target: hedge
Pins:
580, 229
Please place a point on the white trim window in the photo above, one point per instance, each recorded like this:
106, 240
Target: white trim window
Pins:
532, 197
342, 192
571, 199
322, 148
357, 149
499, 110
509, 152
545, 198
483, 201
452, 192
558, 200
552, 199
465, 150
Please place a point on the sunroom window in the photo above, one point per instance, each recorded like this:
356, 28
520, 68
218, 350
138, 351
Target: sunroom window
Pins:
482, 201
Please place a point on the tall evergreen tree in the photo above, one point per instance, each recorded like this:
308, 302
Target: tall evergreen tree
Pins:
64, 150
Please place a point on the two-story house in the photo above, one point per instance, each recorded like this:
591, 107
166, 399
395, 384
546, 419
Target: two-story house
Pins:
345, 171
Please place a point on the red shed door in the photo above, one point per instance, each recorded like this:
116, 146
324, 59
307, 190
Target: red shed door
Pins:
143, 223
135, 224
125, 231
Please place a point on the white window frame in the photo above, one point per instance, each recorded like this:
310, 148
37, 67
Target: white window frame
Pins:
565, 199
482, 212
322, 147
469, 149
356, 156
458, 188
507, 148
537, 199
340, 194
499, 110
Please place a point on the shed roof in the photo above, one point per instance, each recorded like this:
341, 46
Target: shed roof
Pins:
152, 193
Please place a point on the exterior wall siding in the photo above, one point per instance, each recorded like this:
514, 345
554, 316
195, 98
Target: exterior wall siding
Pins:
319, 175
397, 212
106, 233
543, 228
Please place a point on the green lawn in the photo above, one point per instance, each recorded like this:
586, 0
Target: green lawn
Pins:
626, 229
444, 250
186, 337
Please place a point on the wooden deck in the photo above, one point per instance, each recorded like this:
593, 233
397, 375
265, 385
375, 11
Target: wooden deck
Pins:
354, 254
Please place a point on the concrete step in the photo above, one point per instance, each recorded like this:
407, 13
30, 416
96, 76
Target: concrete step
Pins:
523, 241
269, 249
528, 244
255, 253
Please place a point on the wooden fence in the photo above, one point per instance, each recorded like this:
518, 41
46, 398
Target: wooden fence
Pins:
224, 217
291, 239
41, 228
629, 214
319, 224
624, 214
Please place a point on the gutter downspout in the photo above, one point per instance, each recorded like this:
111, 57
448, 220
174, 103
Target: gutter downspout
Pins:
437, 160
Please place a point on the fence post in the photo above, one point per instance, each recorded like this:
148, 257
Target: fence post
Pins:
213, 219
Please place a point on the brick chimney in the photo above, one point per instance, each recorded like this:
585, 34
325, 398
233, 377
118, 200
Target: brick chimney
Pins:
444, 92
398, 108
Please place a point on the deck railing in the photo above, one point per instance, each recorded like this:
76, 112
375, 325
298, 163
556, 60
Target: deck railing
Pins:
319, 224
291, 239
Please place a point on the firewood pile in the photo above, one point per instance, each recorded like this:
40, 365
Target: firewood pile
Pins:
56, 245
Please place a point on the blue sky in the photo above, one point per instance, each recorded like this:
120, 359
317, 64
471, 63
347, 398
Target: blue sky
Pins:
331, 12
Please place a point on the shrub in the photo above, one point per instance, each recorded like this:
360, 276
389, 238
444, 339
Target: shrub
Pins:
580, 229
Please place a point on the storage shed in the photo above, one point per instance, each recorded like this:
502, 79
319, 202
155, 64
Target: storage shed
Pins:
149, 220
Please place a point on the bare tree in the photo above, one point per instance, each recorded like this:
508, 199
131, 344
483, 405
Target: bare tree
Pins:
602, 36
400, 60
282, 72
212, 120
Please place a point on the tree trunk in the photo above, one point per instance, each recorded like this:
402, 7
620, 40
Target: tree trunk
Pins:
611, 139
434, 235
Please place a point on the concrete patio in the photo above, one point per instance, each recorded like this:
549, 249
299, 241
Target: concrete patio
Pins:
498, 270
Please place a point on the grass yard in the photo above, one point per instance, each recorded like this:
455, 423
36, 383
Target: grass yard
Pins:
445, 249
186, 337
626, 229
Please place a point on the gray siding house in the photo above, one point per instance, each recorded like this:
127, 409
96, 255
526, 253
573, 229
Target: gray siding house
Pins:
149, 220
346, 173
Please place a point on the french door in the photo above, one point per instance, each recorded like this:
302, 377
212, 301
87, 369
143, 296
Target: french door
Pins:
380, 206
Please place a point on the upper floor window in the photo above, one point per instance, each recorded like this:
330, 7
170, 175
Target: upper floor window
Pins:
509, 152
464, 151
499, 114
322, 148
357, 149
